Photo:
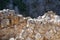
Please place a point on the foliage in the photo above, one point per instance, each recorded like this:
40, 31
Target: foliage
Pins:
21, 6
3, 3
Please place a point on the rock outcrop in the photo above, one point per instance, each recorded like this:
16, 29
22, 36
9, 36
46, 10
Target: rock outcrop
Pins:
16, 27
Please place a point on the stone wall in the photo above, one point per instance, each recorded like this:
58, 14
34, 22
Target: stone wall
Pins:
16, 27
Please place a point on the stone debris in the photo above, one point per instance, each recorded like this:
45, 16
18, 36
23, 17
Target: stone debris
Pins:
16, 27
11, 39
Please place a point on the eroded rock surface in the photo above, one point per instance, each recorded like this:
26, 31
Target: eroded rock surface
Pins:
16, 27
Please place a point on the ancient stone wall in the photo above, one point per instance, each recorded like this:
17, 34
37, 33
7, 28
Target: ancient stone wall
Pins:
16, 27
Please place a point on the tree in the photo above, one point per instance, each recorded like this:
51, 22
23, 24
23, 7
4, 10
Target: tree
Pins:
3, 4
21, 6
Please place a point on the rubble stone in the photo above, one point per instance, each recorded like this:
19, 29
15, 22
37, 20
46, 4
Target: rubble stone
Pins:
16, 27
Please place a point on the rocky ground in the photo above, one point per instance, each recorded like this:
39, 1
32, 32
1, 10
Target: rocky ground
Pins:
16, 27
